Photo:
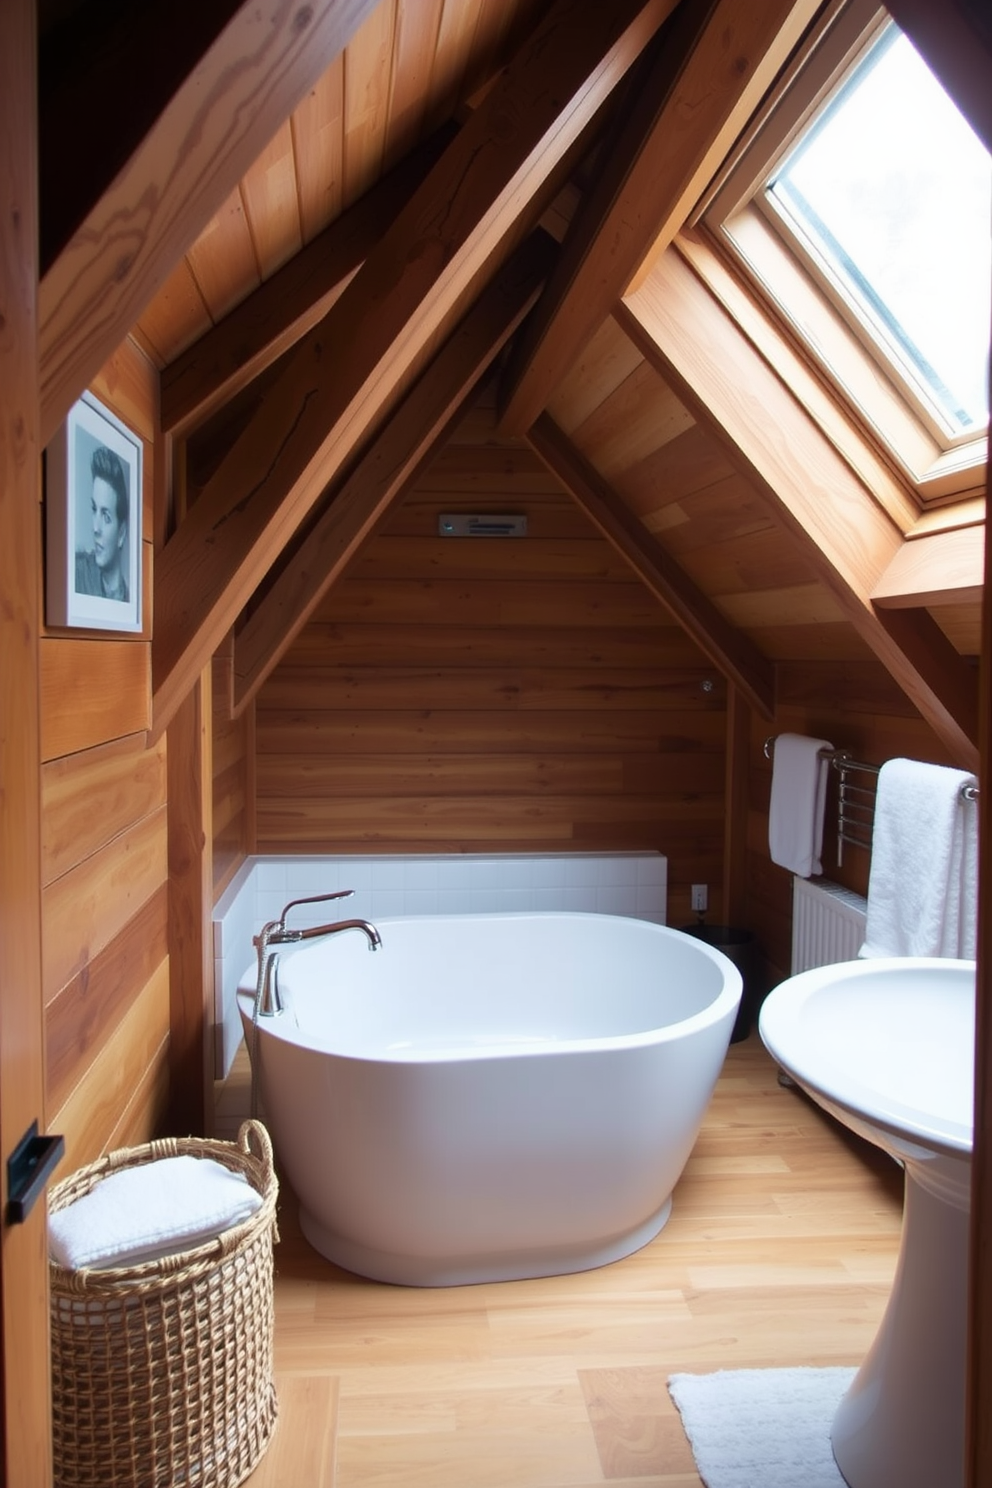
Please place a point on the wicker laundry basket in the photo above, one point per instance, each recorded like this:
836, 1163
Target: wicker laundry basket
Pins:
162, 1372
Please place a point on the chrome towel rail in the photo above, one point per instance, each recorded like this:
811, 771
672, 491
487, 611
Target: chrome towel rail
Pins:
856, 803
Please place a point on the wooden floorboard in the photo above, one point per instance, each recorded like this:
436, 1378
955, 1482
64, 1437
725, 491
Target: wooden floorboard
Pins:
780, 1251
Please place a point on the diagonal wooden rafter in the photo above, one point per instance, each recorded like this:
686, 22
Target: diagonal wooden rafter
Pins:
483, 196
281, 311
406, 444
243, 88
727, 647
845, 534
89, 52
712, 65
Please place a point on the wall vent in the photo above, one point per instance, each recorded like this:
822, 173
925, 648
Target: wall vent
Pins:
456, 524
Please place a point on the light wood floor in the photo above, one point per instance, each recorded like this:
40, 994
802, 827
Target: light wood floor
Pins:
780, 1250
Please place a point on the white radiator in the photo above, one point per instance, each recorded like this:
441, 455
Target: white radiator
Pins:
828, 923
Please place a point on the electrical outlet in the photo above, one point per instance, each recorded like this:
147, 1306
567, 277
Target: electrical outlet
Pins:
700, 898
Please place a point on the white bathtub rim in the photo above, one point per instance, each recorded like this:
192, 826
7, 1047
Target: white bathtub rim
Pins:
724, 1007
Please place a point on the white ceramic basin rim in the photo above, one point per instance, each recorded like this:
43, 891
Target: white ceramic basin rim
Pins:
889, 1040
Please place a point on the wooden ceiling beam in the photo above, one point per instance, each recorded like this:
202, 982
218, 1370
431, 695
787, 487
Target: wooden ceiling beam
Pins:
484, 195
281, 311
727, 647
242, 89
713, 62
407, 443
98, 96
847, 537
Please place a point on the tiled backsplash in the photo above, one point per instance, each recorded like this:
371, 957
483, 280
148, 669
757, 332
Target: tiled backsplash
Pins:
632, 884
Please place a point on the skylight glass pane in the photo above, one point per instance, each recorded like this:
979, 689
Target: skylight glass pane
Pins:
893, 190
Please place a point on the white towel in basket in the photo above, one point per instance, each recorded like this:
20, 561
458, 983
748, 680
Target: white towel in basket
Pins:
148, 1211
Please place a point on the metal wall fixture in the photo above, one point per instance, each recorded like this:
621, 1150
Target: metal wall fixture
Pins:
481, 524
856, 802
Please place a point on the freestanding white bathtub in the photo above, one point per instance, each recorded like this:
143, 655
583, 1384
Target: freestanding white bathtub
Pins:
491, 1097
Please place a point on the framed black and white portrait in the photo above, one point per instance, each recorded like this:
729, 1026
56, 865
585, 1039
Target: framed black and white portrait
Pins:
93, 521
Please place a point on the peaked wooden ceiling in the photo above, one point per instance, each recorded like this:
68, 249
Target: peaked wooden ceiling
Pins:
326, 223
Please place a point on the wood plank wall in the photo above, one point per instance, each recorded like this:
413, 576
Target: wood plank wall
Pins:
233, 777
856, 706
472, 695
105, 966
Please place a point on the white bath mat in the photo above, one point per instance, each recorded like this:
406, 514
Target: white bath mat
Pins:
762, 1428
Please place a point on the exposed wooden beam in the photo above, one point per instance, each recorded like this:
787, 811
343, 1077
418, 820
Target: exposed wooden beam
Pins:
191, 952
728, 648
407, 443
243, 88
25, 1365
846, 536
736, 808
100, 50
285, 307
946, 568
485, 193
713, 63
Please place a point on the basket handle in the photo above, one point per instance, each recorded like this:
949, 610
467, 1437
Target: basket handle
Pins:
253, 1131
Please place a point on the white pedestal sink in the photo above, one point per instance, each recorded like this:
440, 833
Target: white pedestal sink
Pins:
887, 1046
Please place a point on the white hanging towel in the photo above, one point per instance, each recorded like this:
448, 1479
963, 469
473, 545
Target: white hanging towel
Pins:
922, 887
795, 816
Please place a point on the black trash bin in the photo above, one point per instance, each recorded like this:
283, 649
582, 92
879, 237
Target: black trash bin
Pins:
738, 945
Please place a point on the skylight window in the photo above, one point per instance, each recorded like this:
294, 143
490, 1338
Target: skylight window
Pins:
858, 205
891, 193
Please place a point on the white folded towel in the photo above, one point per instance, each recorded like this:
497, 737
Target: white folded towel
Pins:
795, 816
154, 1209
922, 887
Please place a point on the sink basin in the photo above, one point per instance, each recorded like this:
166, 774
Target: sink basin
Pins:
887, 1046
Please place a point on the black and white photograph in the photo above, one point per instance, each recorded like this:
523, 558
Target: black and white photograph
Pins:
93, 521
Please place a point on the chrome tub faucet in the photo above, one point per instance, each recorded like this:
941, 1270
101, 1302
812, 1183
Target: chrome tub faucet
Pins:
268, 1002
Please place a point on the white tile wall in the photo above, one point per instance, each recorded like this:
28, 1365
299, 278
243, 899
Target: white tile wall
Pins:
633, 884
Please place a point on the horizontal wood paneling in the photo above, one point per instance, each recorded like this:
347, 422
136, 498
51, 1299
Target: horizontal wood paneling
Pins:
302, 775
496, 733
533, 560
92, 691
426, 600
654, 688
89, 798
476, 695
85, 1013
93, 1113
316, 818
87, 907
489, 646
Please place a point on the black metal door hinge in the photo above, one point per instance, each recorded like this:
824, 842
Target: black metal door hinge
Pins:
29, 1168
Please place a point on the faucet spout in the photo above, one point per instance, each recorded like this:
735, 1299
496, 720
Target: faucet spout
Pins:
268, 1001
369, 930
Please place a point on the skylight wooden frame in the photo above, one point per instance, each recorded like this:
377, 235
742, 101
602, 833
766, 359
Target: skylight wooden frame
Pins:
938, 470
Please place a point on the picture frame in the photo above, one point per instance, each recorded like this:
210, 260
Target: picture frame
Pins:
93, 519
